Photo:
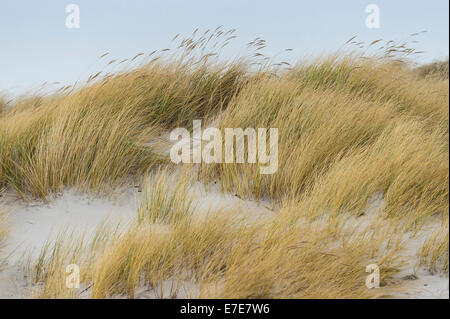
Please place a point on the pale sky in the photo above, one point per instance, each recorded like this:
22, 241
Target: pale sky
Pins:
36, 46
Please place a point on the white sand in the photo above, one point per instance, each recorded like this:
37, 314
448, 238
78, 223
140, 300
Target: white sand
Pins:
420, 283
31, 225
417, 282
34, 223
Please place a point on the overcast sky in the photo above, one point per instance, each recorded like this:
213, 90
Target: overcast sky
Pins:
36, 45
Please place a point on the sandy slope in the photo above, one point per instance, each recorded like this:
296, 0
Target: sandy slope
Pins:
34, 223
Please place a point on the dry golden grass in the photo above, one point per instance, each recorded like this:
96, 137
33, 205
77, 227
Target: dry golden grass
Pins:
287, 256
437, 69
356, 134
2, 104
3, 233
434, 252
165, 199
348, 130
93, 137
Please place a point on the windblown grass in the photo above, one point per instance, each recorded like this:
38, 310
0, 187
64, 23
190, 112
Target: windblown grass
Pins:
165, 199
285, 257
93, 137
47, 271
437, 69
353, 129
3, 234
349, 129
2, 104
435, 250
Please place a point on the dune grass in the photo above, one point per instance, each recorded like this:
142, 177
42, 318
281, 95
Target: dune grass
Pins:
435, 250
3, 234
353, 130
165, 199
93, 137
287, 256
348, 129
437, 69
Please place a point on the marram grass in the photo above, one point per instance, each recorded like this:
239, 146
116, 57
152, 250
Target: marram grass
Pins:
351, 128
